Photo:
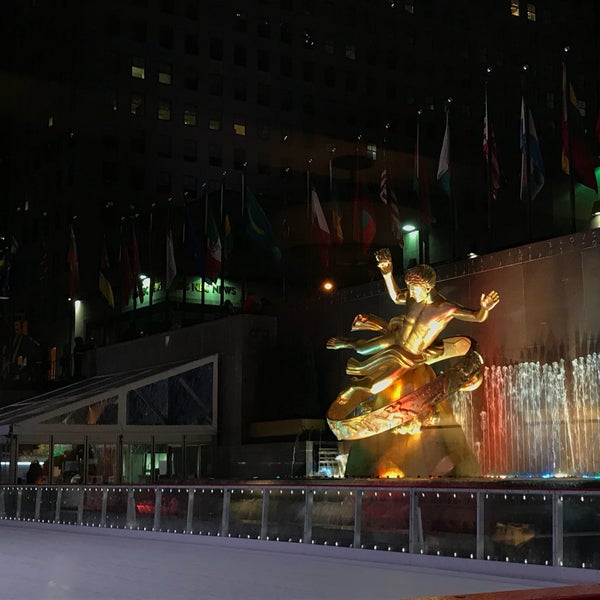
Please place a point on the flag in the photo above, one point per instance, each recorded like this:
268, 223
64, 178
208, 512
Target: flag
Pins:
364, 219
213, 249
572, 130
171, 264
135, 266
383, 194
320, 227
258, 226
73, 266
395, 219
126, 273
443, 173
191, 241
530, 143
490, 153
103, 280
336, 217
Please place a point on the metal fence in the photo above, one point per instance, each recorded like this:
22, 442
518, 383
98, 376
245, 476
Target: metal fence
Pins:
543, 527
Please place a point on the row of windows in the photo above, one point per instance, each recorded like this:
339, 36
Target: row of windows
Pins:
515, 9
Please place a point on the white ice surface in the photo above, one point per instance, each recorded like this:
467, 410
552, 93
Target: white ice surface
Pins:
48, 562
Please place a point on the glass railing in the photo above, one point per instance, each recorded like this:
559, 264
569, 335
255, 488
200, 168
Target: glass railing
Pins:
542, 527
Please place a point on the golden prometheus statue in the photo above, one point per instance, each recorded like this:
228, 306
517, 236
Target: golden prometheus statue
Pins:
395, 388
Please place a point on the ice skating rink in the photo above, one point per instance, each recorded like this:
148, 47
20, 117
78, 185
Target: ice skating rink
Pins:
54, 562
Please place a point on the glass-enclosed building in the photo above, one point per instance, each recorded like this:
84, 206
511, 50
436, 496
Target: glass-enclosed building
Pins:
142, 426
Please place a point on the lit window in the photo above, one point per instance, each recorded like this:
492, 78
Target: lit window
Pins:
215, 123
239, 128
137, 105
350, 52
531, 11
514, 8
372, 151
164, 110
138, 68
50, 121
165, 73
190, 115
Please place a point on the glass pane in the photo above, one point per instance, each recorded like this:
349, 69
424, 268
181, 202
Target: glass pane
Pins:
144, 499
48, 504
384, 520
184, 399
136, 463
92, 506
208, 511
285, 520
28, 503
116, 508
333, 517
102, 463
245, 513
10, 502
70, 502
518, 527
581, 531
173, 510
449, 523
99, 413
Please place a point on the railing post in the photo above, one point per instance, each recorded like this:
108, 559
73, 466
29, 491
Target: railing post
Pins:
308, 507
480, 531
557, 529
415, 526
157, 509
225, 513
131, 517
190, 510
357, 518
59, 492
104, 507
264, 518
38, 503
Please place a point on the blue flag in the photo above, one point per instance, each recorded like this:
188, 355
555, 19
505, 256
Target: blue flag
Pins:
534, 178
258, 226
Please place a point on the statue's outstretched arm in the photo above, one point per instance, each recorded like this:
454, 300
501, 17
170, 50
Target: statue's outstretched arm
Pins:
384, 262
486, 303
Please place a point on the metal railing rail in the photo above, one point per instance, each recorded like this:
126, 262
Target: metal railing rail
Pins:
536, 526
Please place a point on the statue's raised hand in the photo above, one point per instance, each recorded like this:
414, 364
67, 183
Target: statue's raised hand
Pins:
383, 256
489, 300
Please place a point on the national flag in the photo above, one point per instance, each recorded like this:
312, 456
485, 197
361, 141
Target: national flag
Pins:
103, 279
135, 266
126, 273
395, 219
336, 217
490, 153
572, 130
191, 241
320, 227
171, 270
443, 173
213, 249
364, 219
258, 226
534, 179
73, 264
383, 192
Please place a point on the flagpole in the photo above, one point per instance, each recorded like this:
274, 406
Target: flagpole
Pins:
243, 208
222, 229
203, 295
566, 90
167, 308
151, 290
488, 158
452, 199
527, 152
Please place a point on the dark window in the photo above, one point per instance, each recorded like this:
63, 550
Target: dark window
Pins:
138, 31
308, 105
286, 100
286, 66
164, 146
137, 105
191, 10
241, 23
239, 90
190, 186
239, 55
190, 79
263, 95
215, 158
165, 37
138, 142
264, 28
163, 182
239, 158
329, 76
308, 71
167, 6
263, 61
190, 150
109, 172
350, 82
112, 26
136, 178
191, 43
285, 33
216, 49
215, 86
264, 130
